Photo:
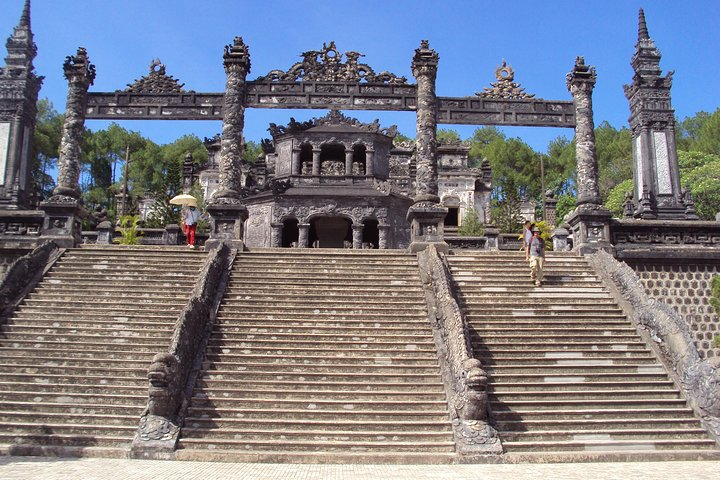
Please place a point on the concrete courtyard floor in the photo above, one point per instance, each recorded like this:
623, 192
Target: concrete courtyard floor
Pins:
15, 468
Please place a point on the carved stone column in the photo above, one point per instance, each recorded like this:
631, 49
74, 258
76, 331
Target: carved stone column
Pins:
276, 235
80, 74
370, 163
383, 236
226, 209
426, 215
63, 212
316, 162
357, 233
303, 235
590, 221
295, 167
348, 162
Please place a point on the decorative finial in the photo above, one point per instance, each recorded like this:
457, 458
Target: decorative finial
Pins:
25, 18
642, 27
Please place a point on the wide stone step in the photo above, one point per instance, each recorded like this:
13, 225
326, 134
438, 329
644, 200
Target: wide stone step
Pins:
568, 404
37, 437
586, 376
333, 375
301, 426
48, 320
25, 330
594, 425
302, 269
419, 324
551, 322
368, 311
332, 299
630, 413
109, 372
320, 445
367, 337
75, 399
609, 445
67, 317
570, 338
63, 409
322, 404
483, 346
325, 283
97, 343
62, 358
578, 368
321, 350
339, 330
321, 367
540, 330
497, 363
291, 415
136, 302
563, 351
241, 360
339, 384
325, 395
61, 384
130, 276
316, 435
506, 387
75, 340
105, 297
59, 429
74, 418
219, 343
652, 434
148, 284
501, 395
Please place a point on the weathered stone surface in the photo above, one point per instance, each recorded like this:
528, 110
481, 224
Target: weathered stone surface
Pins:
424, 68
700, 379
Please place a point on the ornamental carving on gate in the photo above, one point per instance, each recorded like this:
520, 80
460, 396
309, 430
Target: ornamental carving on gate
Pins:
157, 81
505, 87
326, 65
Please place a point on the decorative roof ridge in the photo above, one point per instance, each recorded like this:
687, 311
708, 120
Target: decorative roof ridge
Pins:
326, 66
157, 81
333, 117
505, 87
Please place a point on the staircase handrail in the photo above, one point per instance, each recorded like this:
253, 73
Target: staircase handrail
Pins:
467, 389
699, 379
23, 276
171, 373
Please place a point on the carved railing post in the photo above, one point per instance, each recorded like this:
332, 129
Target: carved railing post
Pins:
426, 215
226, 209
63, 212
464, 378
590, 221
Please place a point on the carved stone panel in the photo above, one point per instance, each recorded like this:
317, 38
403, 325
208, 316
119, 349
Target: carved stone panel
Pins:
662, 164
4, 139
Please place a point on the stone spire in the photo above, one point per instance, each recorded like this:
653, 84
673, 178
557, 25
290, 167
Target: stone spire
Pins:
657, 191
20, 46
642, 27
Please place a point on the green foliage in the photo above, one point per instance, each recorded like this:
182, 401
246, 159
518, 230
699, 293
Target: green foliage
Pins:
252, 152
448, 136
46, 148
129, 230
566, 204
715, 293
545, 233
506, 215
400, 138
716, 341
471, 225
560, 166
701, 171
708, 135
615, 157
616, 197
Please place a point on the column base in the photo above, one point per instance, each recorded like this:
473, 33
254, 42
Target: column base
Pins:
63, 220
227, 218
590, 226
427, 224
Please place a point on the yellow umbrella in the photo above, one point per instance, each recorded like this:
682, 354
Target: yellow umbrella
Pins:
184, 199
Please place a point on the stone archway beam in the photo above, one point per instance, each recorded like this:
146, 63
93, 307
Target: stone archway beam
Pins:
330, 95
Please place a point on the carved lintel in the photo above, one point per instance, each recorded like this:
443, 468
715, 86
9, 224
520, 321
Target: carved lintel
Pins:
505, 87
157, 81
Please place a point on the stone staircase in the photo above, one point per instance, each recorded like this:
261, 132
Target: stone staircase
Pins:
74, 356
320, 356
570, 377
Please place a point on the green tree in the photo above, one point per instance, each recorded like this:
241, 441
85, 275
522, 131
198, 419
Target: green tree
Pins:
614, 154
566, 204
252, 152
506, 215
701, 172
687, 131
708, 135
471, 225
615, 201
448, 136
46, 148
481, 138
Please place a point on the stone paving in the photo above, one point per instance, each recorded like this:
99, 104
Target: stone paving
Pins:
15, 468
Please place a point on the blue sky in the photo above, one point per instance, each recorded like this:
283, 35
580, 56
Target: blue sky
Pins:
539, 39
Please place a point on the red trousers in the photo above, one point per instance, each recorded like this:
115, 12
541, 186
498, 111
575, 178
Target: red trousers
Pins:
190, 233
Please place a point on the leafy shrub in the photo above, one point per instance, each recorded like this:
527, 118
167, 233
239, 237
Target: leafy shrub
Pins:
471, 225
129, 230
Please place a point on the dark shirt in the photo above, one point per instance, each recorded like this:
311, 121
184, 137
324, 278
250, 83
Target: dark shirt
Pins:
537, 247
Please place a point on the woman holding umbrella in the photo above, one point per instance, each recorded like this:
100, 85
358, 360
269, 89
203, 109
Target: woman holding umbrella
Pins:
190, 216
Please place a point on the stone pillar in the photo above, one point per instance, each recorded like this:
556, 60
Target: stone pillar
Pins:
590, 221
550, 208
171, 234
383, 236
316, 162
580, 82
559, 238
80, 74
106, 233
491, 234
357, 232
370, 163
276, 235
295, 167
426, 215
303, 235
348, 162
63, 212
226, 209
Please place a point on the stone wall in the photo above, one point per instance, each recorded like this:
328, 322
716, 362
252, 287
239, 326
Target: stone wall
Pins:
7, 257
686, 288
